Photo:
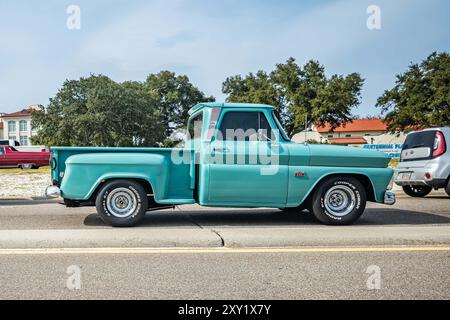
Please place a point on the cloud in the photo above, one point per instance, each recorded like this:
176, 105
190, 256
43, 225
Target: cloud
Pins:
211, 40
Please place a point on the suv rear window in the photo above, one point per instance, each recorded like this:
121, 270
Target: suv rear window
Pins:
422, 139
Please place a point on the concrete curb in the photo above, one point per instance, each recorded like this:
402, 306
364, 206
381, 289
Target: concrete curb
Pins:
228, 237
335, 236
113, 238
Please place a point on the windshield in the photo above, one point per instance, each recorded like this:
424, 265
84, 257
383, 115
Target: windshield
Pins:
280, 127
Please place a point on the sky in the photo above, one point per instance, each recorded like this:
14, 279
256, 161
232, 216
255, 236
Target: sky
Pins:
210, 41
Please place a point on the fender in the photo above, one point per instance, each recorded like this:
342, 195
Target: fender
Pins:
301, 187
85, 172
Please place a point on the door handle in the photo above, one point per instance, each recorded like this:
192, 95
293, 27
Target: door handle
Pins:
223, 150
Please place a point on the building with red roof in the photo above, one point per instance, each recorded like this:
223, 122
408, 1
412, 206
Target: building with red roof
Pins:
357, 132
17, 125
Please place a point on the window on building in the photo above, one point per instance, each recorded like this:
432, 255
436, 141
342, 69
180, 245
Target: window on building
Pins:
330, 136
23, 140
12, 138
23, 125
11, 126
348, 135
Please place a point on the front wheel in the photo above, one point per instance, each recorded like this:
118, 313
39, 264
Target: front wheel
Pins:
339, 201
122, 203
417, 191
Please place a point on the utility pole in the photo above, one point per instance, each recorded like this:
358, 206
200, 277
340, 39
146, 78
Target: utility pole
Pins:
306, 129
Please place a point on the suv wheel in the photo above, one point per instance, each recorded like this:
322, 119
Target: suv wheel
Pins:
447, 188
417, 191
339, 201
122, 203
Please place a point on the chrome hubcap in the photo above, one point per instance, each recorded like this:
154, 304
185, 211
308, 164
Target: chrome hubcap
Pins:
121, 202
340, 200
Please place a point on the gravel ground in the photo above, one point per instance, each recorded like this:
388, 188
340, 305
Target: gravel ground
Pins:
23, 185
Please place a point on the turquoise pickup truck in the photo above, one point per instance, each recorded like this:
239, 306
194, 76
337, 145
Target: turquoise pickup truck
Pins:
235, 155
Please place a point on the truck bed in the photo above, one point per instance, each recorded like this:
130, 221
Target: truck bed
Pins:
175, 183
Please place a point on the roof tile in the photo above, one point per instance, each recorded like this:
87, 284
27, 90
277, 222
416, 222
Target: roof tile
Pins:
356, 125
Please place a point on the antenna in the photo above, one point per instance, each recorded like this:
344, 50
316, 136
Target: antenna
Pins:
306, 129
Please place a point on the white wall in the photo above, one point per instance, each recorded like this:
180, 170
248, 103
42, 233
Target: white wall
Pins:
28, 133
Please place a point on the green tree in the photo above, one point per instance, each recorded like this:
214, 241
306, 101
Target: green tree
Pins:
420, 97
299, 94
174, 96
97, 111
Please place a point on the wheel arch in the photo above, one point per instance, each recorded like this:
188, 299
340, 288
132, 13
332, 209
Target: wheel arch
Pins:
364, 179
144, 182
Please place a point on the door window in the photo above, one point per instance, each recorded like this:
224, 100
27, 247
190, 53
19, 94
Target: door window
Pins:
244, 126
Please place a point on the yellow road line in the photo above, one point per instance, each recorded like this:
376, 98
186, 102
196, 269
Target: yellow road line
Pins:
49, 251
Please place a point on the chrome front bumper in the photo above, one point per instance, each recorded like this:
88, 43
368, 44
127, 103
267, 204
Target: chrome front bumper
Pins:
52, 192
389, 198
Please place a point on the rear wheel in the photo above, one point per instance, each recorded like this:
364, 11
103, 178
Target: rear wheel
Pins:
447, 188
417, 191
339, 200
122, 203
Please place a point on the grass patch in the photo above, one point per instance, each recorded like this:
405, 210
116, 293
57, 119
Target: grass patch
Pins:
41, 170
394, 163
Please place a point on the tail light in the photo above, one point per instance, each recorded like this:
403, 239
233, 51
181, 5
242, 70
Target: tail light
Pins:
439, 144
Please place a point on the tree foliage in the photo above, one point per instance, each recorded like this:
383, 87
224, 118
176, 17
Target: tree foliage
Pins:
299, 94
420, 97
96, 111
174, 96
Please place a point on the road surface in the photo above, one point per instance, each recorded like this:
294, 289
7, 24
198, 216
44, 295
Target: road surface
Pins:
204, 253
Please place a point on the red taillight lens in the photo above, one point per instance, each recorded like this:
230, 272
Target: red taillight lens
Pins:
439, 144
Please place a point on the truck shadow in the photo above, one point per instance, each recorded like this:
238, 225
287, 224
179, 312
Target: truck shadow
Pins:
273, 218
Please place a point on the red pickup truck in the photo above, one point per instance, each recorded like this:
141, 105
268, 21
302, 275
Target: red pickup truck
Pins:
11, 157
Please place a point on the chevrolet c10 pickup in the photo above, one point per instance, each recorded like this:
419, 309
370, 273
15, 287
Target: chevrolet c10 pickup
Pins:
235, 155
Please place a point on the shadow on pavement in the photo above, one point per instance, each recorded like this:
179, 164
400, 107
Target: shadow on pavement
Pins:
273, 218
26, 202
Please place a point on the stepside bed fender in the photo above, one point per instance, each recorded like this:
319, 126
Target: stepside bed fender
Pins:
85, 172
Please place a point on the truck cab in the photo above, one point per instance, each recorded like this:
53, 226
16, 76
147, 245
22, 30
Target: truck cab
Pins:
235, 155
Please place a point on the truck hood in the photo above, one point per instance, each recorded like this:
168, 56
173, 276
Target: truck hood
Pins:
339, 156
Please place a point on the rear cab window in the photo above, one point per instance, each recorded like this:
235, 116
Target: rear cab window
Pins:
195, 126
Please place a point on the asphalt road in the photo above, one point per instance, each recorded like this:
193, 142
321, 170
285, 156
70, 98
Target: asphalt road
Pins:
204, 253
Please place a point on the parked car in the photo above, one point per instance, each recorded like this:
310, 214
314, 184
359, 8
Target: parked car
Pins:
425, 162
261, 169
11, 143
10, 157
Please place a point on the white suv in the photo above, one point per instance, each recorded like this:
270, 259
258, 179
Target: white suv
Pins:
425, 162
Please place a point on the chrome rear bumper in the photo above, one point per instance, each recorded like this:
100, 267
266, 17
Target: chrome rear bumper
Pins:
389, 198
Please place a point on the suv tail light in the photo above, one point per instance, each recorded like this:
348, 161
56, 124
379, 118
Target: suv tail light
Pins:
439, 144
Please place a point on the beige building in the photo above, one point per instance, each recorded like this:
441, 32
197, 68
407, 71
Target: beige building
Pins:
17, 126
355, 133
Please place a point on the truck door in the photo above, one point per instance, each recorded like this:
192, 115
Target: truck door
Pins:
248, 165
